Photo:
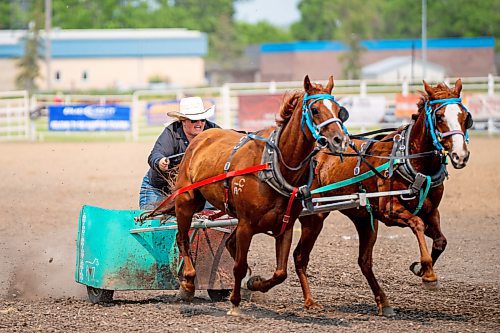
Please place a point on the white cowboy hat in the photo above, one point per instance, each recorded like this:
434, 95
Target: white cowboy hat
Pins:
192, 108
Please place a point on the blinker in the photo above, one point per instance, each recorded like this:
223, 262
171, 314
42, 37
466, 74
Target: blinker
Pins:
469, 122
343, 114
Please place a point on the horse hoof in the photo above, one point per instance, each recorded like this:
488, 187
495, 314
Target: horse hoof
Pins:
416, 268
431, 285
388, 311
252, 281
184, 295
234, 311
313, 305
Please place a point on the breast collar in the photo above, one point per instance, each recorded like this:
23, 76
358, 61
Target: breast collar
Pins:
406, 170
273, 176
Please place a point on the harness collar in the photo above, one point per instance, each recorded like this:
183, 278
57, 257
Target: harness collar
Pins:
406, 170
273, 176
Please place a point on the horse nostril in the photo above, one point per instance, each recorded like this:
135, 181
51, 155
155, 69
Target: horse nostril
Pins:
337, 140
454, 157
466, 159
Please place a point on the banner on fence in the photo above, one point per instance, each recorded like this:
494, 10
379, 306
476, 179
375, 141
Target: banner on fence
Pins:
156, 111
406, 105
258, 111
367, 110
89, 117
483, 107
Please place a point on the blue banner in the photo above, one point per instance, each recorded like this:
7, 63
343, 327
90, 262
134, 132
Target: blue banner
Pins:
89, 117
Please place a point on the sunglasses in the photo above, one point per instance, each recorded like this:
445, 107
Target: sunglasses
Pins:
195, 121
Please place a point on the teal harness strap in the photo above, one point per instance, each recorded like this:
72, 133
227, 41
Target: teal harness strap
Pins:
423, 195
368, 208
353, 180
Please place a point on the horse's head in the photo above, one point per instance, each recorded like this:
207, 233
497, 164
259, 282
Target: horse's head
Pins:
448, 121
324, 116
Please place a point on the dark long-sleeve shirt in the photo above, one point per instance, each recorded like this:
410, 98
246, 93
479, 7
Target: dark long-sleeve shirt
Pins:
171, 141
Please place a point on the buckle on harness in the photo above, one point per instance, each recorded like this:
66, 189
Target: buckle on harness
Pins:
362, 199
417, 183
305, 194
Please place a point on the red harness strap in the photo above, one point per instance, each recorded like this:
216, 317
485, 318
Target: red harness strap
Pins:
286, 217
207, 181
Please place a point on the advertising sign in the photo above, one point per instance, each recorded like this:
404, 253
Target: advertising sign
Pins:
156, 111
406, 105
483, 107
89, 117
367, 110
258, 111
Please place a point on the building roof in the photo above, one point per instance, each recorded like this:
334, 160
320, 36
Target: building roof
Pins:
379, 45
96, 43
388, 64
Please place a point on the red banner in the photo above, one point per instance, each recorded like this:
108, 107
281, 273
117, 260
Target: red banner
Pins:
406, 105
258, 111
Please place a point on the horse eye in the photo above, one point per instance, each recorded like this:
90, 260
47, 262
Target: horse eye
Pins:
314, 111
439, 118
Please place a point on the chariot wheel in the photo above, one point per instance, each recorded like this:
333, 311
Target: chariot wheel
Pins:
219, 295
97, 295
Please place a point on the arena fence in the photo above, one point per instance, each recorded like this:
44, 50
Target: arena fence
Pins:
14, 116
246, 106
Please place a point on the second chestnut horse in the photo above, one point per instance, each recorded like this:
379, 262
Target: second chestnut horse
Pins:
438, 129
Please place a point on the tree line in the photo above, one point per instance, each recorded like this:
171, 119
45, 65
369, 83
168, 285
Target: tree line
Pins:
347, 20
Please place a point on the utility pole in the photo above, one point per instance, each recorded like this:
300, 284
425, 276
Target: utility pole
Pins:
48, 28
424, 38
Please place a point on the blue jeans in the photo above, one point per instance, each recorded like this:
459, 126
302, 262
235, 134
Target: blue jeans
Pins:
149, 196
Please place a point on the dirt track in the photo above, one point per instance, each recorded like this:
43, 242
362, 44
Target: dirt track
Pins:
44, 186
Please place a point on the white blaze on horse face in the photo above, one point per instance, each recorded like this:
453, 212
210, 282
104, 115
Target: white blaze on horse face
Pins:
329, 105
451, 118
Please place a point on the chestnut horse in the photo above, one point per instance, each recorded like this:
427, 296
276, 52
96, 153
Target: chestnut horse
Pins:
439, 128
306, 119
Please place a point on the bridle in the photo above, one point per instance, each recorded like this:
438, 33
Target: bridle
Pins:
430, 121
307, 116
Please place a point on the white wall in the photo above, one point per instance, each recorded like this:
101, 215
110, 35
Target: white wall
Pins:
8, 73
404, 71
106, 73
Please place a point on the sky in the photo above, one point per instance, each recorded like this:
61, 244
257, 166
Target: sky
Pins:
277, 12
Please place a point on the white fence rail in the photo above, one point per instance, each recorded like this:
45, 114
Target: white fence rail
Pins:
14, 116
15, 107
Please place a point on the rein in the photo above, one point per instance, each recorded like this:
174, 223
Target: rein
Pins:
210, 180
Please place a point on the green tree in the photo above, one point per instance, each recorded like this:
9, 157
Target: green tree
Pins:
261, 32
357, 19
318, 21
347, 20
445, 18
14, 14
28, 64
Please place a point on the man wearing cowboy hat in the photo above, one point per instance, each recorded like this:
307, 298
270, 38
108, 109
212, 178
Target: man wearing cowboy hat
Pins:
169, 147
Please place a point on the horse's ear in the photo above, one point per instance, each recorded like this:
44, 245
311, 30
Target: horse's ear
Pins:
458, 87
329, 86
307, 83
428, 89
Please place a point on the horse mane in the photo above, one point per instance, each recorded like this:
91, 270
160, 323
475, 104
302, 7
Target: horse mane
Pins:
291, 101
440, 92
